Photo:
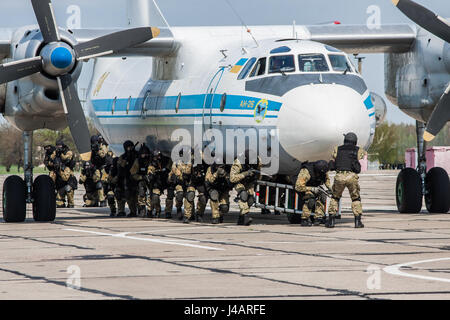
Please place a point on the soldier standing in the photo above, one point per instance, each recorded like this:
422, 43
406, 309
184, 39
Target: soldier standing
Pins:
109, 185
244, 175
179, 175
126, 186
66, 183
311, 176
141, 172
99, 157
218, 185
159, 176
345, 160
197, 182
49, 149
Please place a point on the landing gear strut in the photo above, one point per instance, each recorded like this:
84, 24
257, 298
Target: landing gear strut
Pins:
17, 192
412, 184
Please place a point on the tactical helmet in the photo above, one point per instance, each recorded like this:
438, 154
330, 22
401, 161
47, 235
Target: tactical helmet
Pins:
94, 139
350, 138
321, 166
60, 143
144, 151
128, 144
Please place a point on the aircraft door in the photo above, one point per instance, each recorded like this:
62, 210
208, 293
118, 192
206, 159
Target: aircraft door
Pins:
211, 99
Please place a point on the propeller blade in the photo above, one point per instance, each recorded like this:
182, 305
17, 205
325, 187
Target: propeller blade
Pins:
439, 117
114, 42
425, 18
75, 116
18, 69
45, 16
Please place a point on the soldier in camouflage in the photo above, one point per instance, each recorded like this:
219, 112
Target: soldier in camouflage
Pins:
99, 158
159, 182
111, 182
345, 160
126, 190
196, 183
142, 172
179, 176
89, 177
311, 176
49, 149
66, 183
218, 186
245, 175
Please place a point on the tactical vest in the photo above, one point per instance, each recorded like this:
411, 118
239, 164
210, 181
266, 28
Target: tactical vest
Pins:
347, 156
316, 179
98, 161
143, 167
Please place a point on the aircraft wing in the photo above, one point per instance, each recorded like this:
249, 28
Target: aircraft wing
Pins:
163, 44
361, 39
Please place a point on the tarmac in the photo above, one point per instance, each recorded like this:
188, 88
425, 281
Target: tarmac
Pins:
85, 254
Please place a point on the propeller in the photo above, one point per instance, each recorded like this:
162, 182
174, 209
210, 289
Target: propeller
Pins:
440, 27
57, 59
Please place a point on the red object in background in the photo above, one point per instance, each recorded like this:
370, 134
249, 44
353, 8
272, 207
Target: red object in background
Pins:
337, 22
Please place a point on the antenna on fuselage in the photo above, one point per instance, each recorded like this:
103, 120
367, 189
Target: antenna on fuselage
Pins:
243, 22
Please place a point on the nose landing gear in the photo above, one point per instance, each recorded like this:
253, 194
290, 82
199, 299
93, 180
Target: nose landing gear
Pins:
412, 184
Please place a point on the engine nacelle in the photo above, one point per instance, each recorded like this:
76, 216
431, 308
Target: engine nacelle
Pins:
34, 102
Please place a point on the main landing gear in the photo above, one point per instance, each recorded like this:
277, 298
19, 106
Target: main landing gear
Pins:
17, 192
412, 184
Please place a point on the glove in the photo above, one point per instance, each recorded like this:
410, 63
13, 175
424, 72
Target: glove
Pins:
247, 173
314, 190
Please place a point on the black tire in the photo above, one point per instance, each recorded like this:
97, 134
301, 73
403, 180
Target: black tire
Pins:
294, 218
437, 197
14, 199
44, 199
408, 191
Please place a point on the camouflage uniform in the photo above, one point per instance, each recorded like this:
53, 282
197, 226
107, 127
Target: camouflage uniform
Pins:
142, 173
110, 185
179, 176
245, 180
346, 176
218, 186
89, 177
196, 183
160, 171
49, 163
65, 182
313, 199
99, 157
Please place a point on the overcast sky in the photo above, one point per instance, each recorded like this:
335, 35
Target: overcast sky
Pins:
112, 13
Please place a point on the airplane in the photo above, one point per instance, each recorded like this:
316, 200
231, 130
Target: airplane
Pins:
293, 82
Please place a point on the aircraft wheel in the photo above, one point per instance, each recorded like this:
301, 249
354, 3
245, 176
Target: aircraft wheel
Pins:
44, 199
294, 218
408, 191
14, 199
437, 198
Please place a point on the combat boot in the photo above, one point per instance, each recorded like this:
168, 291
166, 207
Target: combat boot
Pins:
70, 206
331, 221
142, 211
113, 212
221, 219
168, 215
199, 217
186, 220
215, 221
306, 223
121, 214
179, 214
244, 220
358, 223
102, 203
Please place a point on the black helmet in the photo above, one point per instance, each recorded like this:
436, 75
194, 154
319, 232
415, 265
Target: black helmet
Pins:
128, 144
60, 143
321, 166
101, 139
144, 151
94, 139
350, 138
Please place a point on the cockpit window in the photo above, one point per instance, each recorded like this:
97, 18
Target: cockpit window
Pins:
260, 68
281, 64
339, 62
312, 63
246, 68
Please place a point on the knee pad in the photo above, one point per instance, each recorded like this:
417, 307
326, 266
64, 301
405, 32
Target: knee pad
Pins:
179, 196
357, 199
311, 203
190, 196
98, 185
223, 208
214, 195
67, 188
243, 195
251, 200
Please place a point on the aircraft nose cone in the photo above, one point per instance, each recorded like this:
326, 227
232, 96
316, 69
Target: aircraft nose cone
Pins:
313, 119
61, 58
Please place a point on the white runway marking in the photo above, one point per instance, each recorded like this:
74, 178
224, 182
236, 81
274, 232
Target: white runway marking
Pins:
395, 270
123, 235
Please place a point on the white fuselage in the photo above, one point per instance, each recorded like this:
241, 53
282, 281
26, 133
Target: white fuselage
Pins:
146, 99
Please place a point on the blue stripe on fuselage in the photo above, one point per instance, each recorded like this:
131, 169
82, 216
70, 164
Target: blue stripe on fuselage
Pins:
368, 102
188, 102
